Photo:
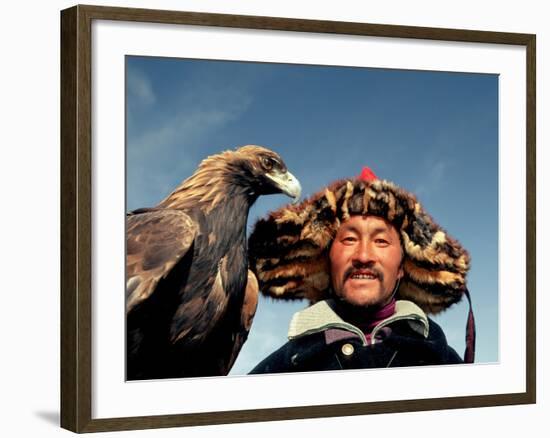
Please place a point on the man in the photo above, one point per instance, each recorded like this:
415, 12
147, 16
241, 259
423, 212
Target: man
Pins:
352, 249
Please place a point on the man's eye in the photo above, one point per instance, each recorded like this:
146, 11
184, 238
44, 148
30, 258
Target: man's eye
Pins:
382, 242
348, 239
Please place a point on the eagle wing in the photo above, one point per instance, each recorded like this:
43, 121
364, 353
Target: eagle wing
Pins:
247, 315
155, 241
198, 314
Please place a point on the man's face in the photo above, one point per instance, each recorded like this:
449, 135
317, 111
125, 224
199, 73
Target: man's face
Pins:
365, 261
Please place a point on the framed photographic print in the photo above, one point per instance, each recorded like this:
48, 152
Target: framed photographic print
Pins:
147, 95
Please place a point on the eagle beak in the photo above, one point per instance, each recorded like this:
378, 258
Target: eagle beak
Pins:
288, 184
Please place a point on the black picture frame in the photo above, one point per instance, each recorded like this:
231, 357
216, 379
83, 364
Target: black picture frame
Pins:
76, 217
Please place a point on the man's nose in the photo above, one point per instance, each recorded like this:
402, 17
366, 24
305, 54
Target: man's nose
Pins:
363, 253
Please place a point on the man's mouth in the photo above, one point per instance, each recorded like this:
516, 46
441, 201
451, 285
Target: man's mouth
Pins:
362, 275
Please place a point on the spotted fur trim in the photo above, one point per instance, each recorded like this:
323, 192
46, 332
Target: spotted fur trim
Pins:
289, 249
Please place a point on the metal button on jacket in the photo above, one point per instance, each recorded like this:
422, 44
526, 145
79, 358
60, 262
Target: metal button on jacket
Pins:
347, 349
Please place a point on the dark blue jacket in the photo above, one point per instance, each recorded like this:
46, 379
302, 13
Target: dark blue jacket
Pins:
321, 341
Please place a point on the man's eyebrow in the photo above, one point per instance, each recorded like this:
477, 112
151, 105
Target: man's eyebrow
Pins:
381, 229
353, 228
348, 227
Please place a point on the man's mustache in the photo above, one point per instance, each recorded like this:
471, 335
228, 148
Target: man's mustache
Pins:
372, 271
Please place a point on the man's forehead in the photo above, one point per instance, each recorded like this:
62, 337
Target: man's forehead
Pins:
369, 221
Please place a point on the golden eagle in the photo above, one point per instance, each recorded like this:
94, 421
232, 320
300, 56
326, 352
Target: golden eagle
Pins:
190, 297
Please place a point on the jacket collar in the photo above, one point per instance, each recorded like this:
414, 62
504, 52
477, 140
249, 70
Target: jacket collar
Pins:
321, 317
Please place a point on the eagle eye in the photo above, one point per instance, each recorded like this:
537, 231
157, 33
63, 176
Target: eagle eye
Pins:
268, 163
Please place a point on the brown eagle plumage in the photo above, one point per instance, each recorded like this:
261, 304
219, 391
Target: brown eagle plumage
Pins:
190, 298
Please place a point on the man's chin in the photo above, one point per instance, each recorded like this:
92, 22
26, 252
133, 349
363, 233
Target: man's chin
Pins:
361, 297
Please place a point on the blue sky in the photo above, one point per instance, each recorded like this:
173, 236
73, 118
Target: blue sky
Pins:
432, 133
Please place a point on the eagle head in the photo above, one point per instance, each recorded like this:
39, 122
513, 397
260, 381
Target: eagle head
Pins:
250, 170
265, 172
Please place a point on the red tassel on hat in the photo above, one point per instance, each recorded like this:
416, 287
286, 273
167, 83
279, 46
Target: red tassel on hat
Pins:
367, 174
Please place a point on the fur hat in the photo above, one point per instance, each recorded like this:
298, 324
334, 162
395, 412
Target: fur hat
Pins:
289, 249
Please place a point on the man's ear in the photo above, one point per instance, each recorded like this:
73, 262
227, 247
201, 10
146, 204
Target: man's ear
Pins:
401, 271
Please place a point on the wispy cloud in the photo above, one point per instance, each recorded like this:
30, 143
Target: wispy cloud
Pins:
174, 143
139, 87
183, 128
433, 178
